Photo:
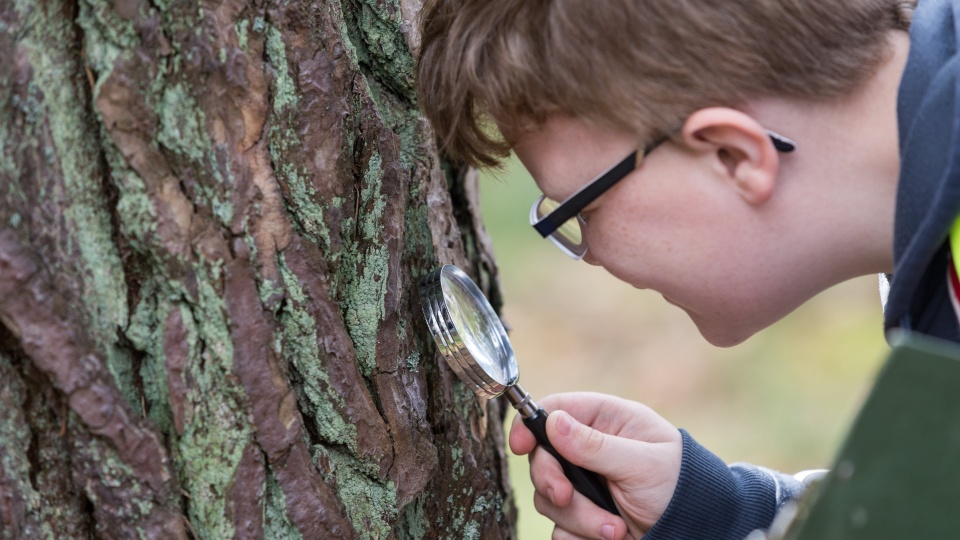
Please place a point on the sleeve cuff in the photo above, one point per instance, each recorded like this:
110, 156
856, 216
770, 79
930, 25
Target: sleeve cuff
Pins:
715, 501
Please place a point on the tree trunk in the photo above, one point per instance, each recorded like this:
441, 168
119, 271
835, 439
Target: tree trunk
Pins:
213, 219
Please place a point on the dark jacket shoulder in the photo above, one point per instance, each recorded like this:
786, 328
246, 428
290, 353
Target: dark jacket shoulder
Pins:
928, 194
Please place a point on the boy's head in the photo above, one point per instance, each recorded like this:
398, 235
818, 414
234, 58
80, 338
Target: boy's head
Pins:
638, 66
574, 86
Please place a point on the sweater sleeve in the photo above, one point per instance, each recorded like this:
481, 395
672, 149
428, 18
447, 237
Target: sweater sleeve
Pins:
719, 502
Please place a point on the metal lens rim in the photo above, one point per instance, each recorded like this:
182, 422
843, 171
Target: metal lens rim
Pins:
456, 277
444, 331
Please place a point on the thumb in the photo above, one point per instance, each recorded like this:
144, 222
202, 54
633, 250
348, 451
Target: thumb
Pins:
588, 448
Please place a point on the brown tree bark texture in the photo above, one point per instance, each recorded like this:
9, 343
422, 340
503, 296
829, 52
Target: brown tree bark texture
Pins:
213, 217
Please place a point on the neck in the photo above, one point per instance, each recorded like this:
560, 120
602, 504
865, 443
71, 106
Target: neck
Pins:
845, 170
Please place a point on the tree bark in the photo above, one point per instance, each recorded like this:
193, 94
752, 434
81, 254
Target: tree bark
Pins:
213, 219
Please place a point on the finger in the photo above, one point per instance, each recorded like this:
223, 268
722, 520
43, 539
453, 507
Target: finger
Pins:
611, 414
561, 534
548, 478
642, 476
521, 440
582, 518
583, 405
588, 407
608, 455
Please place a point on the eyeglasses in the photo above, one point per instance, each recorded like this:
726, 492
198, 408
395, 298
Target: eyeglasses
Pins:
562, 222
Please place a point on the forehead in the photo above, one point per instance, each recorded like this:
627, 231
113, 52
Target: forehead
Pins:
566, 153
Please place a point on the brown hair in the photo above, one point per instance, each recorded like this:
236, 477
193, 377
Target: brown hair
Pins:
640, 66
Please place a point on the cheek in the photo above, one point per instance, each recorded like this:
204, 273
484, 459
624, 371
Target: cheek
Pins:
618, 243
724, 286
640, 239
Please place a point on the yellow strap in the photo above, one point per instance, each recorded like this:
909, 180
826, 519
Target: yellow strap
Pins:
955, 245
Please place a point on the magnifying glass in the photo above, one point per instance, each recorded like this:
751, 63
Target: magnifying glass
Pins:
472, 340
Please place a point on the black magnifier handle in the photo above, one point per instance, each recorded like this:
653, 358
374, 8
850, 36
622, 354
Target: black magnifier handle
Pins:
589, 483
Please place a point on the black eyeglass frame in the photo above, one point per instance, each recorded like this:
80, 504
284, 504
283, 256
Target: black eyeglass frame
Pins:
574, 204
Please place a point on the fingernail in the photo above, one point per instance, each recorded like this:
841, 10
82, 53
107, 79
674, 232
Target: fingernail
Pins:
550, 496
564, 423
607, 532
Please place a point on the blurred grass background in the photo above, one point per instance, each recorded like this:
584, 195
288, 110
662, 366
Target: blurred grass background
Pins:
782, 399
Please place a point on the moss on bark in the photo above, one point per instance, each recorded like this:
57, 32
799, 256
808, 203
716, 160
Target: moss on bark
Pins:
212, 222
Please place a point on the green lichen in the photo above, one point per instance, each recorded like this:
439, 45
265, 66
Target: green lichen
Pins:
14, 440
267, 288
182, 130
113, 472
119, 362
146, 333
216, 429
276, 524
8, 144
300, 348
285, 89
471, 531
106, 34
466, 524
364, 297
13, 145
374, 44
364, 272
29, 424
374, 30
482, 505
207, 461
242, 28
301, 196
259, 24
457, 472
456, 455
371, 505
459, 521
414, 524
372, 221
210, 315
138, 219
413, 361
417, 237
464, 401
208, 455
181, 123
85, 206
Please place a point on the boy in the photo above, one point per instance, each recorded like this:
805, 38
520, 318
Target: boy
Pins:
746, 155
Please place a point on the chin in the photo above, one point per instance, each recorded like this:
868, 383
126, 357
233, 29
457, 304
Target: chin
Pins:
725, 340
722, 333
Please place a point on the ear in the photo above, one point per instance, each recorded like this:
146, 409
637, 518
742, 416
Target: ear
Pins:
740, 148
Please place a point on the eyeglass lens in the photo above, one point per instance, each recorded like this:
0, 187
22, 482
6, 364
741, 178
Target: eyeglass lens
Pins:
568, 236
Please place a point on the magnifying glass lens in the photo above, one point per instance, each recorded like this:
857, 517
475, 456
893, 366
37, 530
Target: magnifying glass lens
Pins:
474, 326
473, 342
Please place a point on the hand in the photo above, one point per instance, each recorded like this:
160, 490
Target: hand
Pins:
636, 450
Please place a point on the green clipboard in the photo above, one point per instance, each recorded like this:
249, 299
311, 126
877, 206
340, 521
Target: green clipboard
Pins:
898, 472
